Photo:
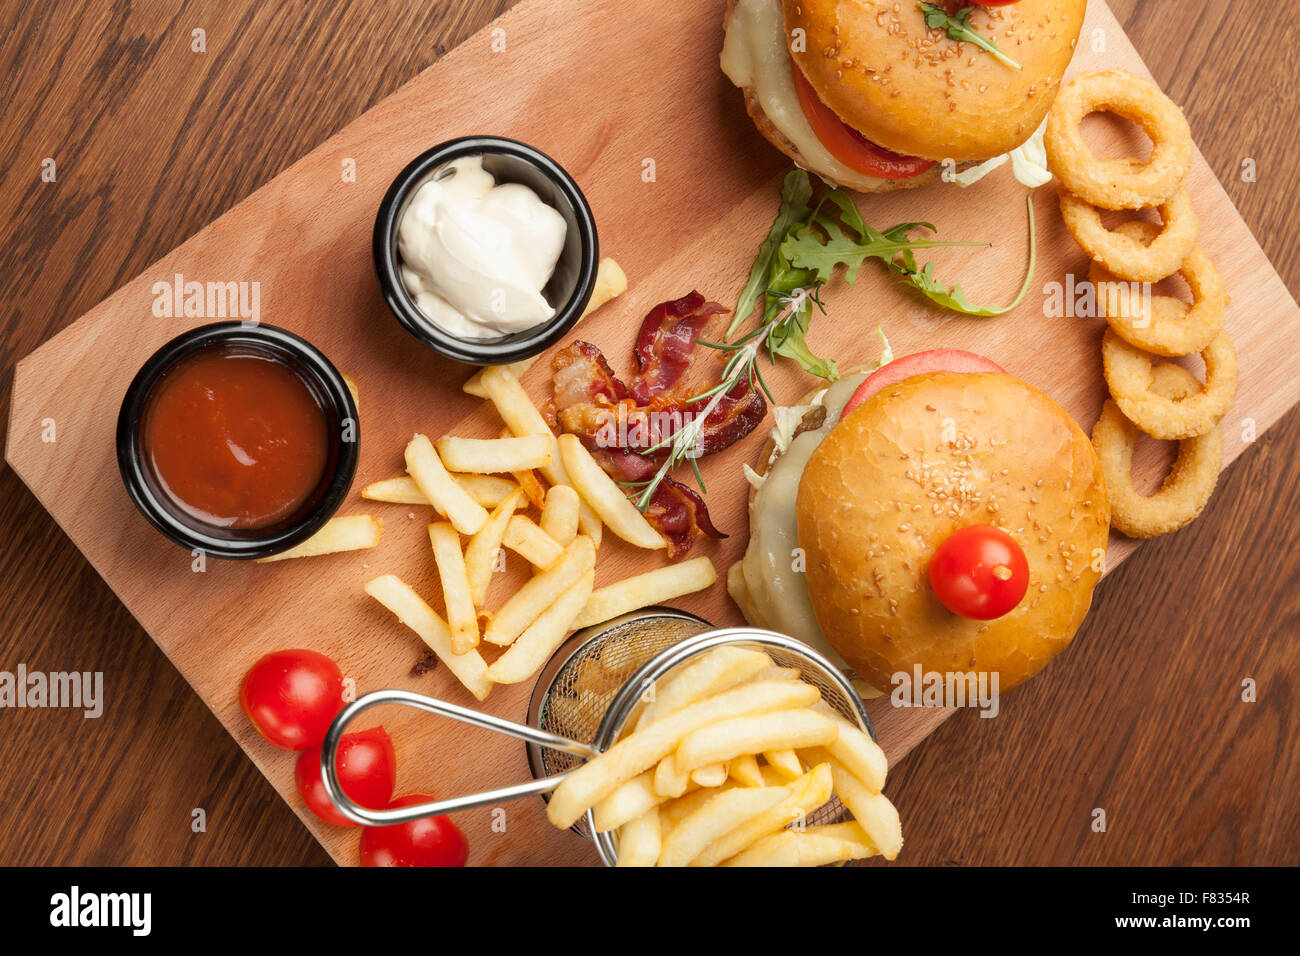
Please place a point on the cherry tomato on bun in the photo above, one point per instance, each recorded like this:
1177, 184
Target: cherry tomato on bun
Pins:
918, 363
848, 145
291, 697
979, 572
367, 769
429, 841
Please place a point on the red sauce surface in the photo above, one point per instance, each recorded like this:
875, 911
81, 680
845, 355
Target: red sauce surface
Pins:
236, 438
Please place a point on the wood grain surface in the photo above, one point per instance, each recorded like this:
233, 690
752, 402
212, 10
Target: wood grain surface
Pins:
1165, 653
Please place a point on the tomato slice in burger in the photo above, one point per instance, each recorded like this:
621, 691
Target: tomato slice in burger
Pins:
848, 145
918, 363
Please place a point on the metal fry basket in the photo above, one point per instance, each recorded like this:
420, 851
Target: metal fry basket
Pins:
582, 703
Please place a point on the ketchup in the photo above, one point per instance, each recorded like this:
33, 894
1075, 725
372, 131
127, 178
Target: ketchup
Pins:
235, 437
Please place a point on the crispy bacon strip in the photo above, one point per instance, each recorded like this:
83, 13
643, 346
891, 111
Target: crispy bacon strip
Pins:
618, 421
666, 343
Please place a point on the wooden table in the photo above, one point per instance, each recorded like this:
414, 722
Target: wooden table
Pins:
151, 140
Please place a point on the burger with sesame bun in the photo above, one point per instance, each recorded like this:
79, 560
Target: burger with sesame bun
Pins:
877, 95
936, 513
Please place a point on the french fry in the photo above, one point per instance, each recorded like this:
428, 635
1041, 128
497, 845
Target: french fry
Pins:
859, 754
487, 490
539, 593
806, 795
462, 618
706, 675
672, 812
590, 523
481, 552
651, 587
800, 848
522, 418
611, 282
435, 483
776, 672
744, 770
560, 515
526, 539
396, 595
483, 456
540, 639
600, 776
533, 487
718, 816
350, 533
626, 803
605, 496
879, 817
714, 775
640, 841
474, 384
784, 762
668, 782
752, 733
850, 830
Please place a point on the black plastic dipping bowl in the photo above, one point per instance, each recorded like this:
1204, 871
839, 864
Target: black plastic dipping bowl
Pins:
327, 386
569, 288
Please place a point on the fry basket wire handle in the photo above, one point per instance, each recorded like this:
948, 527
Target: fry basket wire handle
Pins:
432, 705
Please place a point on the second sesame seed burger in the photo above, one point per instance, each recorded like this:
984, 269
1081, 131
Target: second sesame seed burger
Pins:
938, 514
869, 96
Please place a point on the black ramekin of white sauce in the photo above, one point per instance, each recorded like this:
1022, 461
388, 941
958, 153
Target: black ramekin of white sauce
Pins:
570, 286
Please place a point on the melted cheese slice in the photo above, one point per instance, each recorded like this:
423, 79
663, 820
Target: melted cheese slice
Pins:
769, 584
755, 55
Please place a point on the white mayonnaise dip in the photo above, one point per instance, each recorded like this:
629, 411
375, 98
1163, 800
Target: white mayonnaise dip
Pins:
475, 255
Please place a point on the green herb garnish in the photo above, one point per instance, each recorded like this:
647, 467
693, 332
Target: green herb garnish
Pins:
958, 28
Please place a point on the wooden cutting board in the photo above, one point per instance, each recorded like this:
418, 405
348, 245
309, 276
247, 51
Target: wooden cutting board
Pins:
612, 91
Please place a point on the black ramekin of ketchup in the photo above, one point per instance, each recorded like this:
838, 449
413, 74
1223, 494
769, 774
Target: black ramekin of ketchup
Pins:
238, 440
570, 286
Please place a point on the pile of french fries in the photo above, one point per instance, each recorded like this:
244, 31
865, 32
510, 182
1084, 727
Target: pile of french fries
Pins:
483, 512
726, 760
482, 489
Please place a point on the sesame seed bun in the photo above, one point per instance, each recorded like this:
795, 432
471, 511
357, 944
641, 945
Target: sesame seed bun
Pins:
918, 461
913, 90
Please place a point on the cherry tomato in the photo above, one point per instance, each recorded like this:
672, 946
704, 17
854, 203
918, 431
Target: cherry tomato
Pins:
994, 3
367, 772
848, 145
918, 363
291, 697
979, 572
429, 841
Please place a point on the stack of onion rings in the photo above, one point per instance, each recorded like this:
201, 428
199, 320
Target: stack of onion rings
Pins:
1165, 401
1162, 324
1190, 482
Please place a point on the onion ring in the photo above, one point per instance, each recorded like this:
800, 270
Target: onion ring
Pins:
1118, 183
1163, 325
1125, 255
1190, 482
1129, 374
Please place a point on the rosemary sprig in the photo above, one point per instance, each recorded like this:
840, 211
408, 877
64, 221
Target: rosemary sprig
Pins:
682, 443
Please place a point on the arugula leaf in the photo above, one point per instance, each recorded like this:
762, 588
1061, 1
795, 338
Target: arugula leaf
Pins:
796, 194
954, 298
958, 28
806, 249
